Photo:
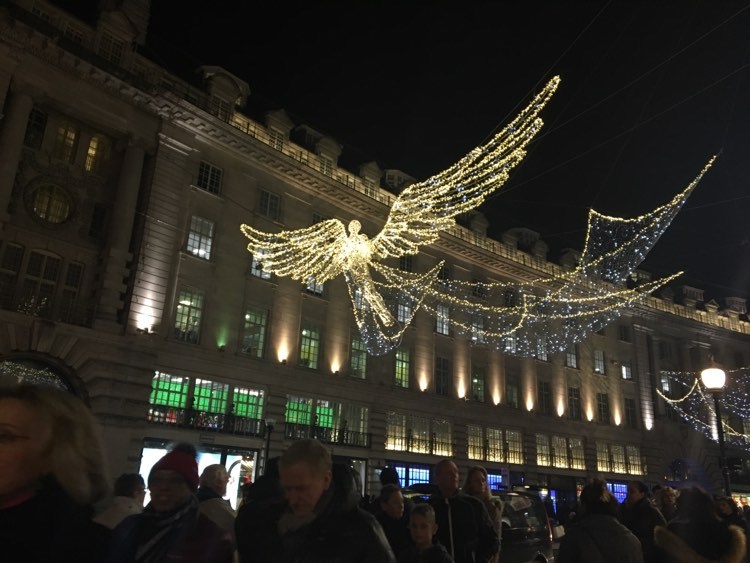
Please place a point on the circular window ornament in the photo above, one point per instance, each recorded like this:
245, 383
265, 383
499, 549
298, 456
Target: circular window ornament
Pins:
49, 203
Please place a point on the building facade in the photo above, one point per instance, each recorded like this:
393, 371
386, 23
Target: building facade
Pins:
124, 277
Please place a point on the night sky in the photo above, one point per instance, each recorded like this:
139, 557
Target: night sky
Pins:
650, 91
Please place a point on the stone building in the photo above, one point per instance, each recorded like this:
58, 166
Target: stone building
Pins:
124, 277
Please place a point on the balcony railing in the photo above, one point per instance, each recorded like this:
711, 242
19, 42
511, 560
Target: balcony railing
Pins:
206, 421
340, 436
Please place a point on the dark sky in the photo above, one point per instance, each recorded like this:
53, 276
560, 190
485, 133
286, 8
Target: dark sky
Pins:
650, 91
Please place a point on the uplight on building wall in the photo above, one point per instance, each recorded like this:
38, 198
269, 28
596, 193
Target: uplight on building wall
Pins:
529, 403
496, 397
335, 366
461, 390
560, 408
589, 414
617, 419
423, 382
282, 353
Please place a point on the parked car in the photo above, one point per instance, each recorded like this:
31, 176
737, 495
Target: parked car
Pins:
526, 534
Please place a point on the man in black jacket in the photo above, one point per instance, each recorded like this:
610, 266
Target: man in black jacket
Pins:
464, 527
320, 519
641, 517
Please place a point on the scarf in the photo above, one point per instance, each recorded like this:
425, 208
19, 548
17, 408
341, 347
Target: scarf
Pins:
163, 530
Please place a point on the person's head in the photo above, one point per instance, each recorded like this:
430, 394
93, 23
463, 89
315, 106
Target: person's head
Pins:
48, 433
446, 477
389, 476
596, 499
476, 482
392, 501
305, 474
696, 505
726, 506
637, 490
215, 477
422, 526
131, 485
665, 498
173, 479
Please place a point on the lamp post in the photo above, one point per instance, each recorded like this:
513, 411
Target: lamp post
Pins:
270, 423
714, 379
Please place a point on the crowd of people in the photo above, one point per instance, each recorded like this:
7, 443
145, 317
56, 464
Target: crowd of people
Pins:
57, 506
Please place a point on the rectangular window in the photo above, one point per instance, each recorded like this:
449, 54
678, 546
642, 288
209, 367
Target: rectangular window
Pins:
543, 457
442, 376
168, 399
269, 205
627, 372
97, 154
510, 344
477, 329
624, 333
326, 416
395, 432
477, 384
574, 403
443, 322
475, 442
515, 446
298, 410
571, 357
444, 273
66, 141
111, 48
420, 434
403, 364
200, 238
666, 384
276, 139
635, 467
403, 313
560, 452
256, 267
210, 396
479, 290
495, 450
602, 457
209, 177
9, 270
187, 321
309, 350
406, 263
442, 438
326, 165
599, 361
577, 456
314, 287
39, 284
511, 391
254, 332
544, 397
35, 128
358, 363
631, 419
541, 349
248, 403
218, 107
370, 190
618, 458
495, 481
69, 295
602, 408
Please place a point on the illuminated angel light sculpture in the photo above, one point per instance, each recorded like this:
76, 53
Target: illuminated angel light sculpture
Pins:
417, 217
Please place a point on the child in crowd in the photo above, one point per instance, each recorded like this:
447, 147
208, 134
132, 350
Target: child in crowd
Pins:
422, 528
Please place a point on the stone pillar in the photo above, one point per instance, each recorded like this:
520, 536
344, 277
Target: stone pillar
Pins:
121, 229
642, 364
11, 143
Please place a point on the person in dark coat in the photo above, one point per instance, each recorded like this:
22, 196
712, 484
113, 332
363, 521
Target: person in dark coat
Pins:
393, 519
731, 513
641, 517
464, 526
320, 519
51, 475
697, 534
172, 527
597, 536
423, 548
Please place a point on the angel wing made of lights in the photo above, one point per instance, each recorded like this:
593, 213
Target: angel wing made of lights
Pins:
416, 218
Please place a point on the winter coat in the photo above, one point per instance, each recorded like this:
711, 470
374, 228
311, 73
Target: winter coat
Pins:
706, 542
121, 508
641, 518
434, 554
465, 519
49, 527
598, 538
341, 532
396, 531
217, 509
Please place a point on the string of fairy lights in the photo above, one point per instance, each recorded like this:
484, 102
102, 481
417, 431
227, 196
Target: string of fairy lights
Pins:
549, 313
686, 395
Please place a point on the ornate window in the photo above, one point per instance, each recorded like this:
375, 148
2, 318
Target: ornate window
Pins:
49, 202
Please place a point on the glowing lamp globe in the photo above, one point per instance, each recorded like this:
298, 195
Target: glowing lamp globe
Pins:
713, 378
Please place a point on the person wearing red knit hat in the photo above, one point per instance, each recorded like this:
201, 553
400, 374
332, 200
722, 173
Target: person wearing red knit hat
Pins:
171, 526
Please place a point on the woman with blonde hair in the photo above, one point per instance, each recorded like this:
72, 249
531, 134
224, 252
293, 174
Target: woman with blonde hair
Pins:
51, 474
476, 486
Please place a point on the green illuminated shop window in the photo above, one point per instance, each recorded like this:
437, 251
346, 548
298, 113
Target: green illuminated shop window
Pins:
324, 414
248, 402
298, 410
210, 396
169, 390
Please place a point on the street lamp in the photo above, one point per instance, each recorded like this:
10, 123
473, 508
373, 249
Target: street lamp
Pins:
270, 423
714, 379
